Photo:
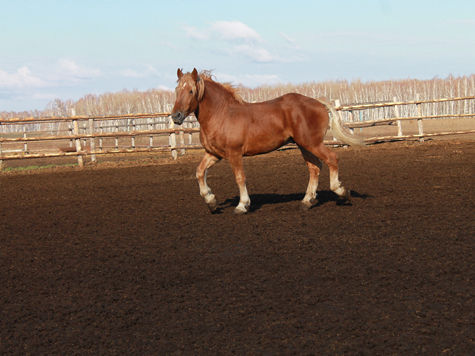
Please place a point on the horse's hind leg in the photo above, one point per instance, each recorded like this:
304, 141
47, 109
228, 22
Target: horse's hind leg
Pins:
314, 166
330, 158
201, 173
244, 200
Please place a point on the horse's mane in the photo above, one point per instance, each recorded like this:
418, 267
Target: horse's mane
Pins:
207, 75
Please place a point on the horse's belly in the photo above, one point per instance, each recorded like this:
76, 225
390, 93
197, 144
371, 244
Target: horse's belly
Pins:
246, 143
264, 144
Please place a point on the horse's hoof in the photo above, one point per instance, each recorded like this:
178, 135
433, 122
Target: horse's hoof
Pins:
240, 210
213, 208
308, 204
344, 199
210, 200
348, 195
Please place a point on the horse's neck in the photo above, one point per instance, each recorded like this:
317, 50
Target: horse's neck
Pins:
215, 100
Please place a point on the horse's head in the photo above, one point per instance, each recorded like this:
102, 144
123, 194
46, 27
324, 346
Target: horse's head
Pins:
189, 92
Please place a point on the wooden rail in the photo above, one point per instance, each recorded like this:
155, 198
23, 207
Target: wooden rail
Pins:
98, 135
84, 143
395, 103
17, 120
392, 120
398, 120
88, 143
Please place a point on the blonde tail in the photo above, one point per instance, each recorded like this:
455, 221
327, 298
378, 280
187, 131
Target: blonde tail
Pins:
337, 129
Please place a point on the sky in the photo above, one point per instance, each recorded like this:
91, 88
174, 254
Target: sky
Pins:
70, 48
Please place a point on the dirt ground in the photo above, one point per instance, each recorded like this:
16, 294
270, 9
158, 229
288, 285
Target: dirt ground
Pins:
128, 260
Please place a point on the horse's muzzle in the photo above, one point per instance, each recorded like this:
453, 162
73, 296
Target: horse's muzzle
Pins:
178, 117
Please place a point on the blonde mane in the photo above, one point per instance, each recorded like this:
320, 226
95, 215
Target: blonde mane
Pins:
207, 76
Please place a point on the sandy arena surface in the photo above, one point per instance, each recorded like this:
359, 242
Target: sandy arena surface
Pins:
128, 260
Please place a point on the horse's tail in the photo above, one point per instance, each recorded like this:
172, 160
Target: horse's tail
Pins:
337, 129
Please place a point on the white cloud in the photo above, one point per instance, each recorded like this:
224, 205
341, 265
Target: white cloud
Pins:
22, 78
290, 41
249, 80
234, 30
70, 70
195, 33
223, 30
44, 96
233, 37
131, 73
164, 87
255, 53
40, 83
146, 71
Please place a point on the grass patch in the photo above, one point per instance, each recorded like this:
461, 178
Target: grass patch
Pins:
34, 168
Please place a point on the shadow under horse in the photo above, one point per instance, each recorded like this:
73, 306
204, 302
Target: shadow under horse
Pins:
259, 200
231, 128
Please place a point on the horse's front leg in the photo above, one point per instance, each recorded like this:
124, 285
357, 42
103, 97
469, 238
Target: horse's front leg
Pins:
201, 173
244, 201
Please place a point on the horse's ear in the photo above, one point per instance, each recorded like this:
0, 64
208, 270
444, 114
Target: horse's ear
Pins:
195, 75
179, 73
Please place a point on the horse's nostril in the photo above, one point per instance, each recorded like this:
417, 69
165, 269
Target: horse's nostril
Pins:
178, 117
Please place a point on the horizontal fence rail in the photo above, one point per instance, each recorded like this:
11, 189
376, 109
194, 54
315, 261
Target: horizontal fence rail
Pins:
352, 122
85, 136
81, 136
395, 103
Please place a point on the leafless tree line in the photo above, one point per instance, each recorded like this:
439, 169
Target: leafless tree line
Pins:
128, 102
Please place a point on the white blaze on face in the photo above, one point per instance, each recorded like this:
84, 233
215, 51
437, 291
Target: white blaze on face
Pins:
186, 86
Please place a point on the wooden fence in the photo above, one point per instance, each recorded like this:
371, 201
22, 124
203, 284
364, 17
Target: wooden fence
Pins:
351, 122
84, 136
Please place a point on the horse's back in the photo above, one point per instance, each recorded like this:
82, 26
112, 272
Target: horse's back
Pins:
290, 117
302, 111
254, 128
288, 113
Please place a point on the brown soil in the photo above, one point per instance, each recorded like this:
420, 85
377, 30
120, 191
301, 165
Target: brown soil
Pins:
130, 261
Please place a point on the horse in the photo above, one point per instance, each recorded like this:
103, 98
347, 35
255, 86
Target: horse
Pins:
231, 128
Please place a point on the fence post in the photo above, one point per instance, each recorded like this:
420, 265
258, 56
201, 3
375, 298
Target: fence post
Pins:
70, 127
92, 143
396, 114
150, 139
78, 143
1, 161
101, 131
117, 137
420, 128
337, 104
352, 119
172, 138
132, 140
190, 134
181, 136
84, 140
25, 144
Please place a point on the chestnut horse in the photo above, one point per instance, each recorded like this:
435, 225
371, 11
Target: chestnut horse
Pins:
231, 128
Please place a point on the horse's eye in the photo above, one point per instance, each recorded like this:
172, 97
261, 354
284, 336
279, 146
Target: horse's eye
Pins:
191, 91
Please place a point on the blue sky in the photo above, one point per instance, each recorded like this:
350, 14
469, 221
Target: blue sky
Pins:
66, 49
